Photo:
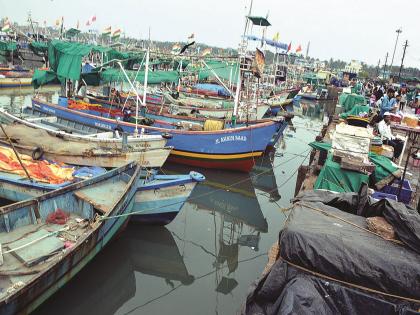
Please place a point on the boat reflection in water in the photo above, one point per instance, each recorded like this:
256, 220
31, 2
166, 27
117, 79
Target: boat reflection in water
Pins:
109, 280
238, 219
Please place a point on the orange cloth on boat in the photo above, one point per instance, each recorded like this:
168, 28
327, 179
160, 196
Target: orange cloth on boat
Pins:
80, 105
41, 171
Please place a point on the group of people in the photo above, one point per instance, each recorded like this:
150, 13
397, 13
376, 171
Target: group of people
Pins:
388, 101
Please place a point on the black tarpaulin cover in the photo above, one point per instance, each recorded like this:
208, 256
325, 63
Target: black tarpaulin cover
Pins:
331, 247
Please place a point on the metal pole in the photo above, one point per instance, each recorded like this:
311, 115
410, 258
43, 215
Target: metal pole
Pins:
377, 69
16, 153
386, 59
399, 31
402, 60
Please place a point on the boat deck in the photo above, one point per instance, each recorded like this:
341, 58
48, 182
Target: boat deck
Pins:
36, 247
104, 196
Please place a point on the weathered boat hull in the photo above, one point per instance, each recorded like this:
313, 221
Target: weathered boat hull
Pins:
160, 205
60, 271
232, 149
147, 158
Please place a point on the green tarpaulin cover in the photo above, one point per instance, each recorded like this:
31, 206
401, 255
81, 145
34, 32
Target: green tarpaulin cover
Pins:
154, 77
7, 46
66, 58
348, 101
38, 47
42, 77
223, 70
385, 171
332, 177
355, 111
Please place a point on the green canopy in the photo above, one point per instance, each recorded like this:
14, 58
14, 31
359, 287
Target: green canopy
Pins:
42, 77
66, 58
72, 32
355, 111
38, 47
154, 77
8, 46
224, 70
348, 101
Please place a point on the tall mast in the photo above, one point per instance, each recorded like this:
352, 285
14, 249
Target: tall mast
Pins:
242, 51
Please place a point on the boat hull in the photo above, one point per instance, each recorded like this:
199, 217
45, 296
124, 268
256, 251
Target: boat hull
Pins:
197, 148
159, 206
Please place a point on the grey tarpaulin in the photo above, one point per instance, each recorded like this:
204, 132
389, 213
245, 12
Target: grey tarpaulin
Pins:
334, 248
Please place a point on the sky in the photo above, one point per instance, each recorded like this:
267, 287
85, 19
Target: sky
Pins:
358, 29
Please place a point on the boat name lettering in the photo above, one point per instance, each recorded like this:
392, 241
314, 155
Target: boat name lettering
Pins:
230, 138
49, 110
102, 125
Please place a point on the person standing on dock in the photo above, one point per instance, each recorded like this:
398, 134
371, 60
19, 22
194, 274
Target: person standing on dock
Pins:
388, 102
384, 128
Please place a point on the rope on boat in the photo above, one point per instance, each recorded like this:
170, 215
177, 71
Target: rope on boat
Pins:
102, 218
299, 203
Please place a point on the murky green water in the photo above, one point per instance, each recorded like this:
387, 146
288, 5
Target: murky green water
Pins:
204, 261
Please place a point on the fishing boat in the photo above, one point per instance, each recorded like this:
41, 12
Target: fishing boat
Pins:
39, 138
158, 198
219, 109
233, 148
8, 82
281, 99
47, 240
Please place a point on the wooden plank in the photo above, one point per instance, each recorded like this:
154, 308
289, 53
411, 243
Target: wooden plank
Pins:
98, 207
37, 251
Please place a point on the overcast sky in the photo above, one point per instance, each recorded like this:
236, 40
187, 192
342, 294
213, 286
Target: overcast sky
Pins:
357, 29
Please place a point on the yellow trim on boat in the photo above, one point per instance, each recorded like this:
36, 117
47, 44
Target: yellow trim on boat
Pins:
216, 156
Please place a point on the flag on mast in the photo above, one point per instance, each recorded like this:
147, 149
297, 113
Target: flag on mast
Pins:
93, 18
206, 52
107, 31
276, 37
289, 48
88, 23
299, 49
116, 34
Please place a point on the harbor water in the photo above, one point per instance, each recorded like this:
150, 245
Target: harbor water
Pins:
205, 260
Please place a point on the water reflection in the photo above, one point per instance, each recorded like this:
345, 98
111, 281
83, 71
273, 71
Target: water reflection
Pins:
109, 281
14, 99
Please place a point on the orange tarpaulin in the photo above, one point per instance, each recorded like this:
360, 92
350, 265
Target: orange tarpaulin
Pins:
41, 171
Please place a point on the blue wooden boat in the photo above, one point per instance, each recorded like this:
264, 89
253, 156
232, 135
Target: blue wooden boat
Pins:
233, 149
157, 201
41, 257
159, 198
